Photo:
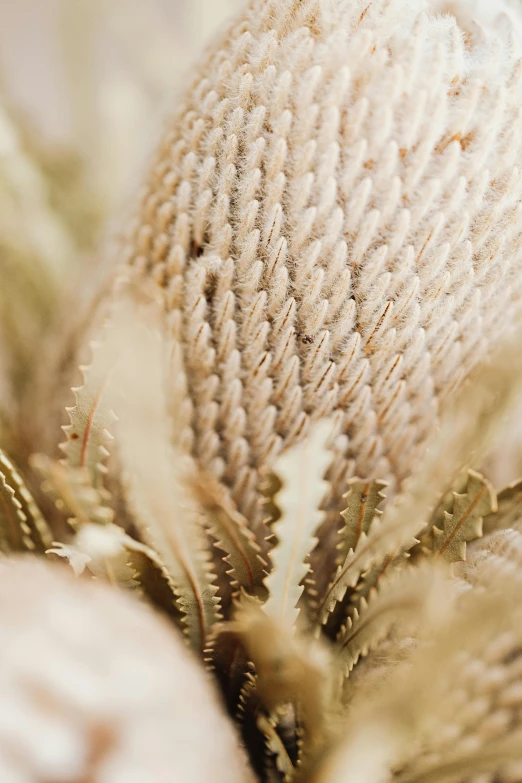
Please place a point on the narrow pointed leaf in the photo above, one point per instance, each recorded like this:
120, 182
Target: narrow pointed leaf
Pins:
301, 472
276, 747
23, 527
88, 438
233, 536
362, 506
156, 478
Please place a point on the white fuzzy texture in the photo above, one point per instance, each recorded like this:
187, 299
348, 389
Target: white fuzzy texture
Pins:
94, 687
335, 216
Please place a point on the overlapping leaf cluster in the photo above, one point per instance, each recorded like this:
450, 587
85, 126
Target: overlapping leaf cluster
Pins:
293, 659
385, 646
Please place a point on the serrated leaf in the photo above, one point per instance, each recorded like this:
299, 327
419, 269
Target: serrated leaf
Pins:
444, 504
247, 697
395, 533
464, 523
372, 578
230, 664
385, 540
13, 531
88, 437
362, 506
73, 492
401, 599
289, 669
233, 536
22, 526
275, 745
301, 472
509, 509
156, 478
104, 551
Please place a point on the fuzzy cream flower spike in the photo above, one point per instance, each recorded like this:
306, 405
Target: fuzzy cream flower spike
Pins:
278, 438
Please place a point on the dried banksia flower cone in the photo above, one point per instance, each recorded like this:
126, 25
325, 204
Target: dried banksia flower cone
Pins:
94, 687
334, 216
326, 249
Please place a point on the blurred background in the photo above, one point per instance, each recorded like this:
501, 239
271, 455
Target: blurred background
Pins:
84, 85
96, 74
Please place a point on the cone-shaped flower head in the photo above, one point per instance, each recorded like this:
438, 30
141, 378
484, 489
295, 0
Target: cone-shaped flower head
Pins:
335, 216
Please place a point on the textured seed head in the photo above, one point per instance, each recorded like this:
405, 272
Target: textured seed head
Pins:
93, 687
335, 215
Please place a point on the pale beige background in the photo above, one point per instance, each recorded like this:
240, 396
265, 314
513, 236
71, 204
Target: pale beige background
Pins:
31, 43
101, 73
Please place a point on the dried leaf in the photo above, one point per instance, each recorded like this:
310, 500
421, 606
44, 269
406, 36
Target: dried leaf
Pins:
73, 492
77, 559
436, 518
509, 509
371, 579
88, 436
402, 599
22, 526
247, 697
156, 478
110, 554
290, 670
233, 536
464, 524
275, 745
15, 535
301, 472
362, 502
394, 534
385, 540
103, 550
